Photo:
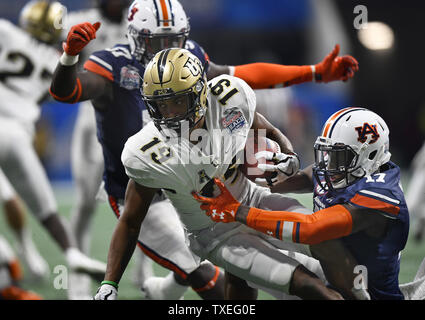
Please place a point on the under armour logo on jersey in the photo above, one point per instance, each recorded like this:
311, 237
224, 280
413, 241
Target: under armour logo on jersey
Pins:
365, 130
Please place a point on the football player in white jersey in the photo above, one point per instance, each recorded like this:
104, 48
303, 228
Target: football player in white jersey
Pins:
86, 152
27, 62
198, 132
16, 219
415, 193
11, 274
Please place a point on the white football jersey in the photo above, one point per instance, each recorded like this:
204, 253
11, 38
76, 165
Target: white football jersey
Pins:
108, 35
26, 69
180, 167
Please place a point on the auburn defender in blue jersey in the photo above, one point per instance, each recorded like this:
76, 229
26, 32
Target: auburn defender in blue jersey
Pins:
357, 197
112, 82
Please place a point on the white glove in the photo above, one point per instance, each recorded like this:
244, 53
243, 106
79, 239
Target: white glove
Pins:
286, 165
106, 292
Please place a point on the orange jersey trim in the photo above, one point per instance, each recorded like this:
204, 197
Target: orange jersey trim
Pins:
375, 204
96, 68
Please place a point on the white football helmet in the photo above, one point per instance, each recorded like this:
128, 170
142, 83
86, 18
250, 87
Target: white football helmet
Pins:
354, 143
154, 25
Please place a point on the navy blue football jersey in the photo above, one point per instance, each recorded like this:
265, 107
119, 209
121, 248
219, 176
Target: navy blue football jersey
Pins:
381, 192
123, 116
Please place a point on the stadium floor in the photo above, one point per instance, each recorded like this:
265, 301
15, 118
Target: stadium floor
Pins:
103, 225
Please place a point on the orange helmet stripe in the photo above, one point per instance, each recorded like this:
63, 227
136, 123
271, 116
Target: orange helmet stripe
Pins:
332, 119
164, 12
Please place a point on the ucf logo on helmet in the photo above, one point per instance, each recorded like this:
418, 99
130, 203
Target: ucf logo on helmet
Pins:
365, 130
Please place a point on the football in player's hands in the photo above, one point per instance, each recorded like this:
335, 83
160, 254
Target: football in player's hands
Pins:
250, 166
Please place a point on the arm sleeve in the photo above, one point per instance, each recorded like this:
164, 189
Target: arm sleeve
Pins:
265, 75
326, 224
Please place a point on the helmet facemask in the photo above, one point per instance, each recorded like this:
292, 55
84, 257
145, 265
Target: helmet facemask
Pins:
336, 165
153, 27
144, 45
187, 118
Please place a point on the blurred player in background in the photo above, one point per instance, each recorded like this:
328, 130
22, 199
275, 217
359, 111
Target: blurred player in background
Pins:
86, 152
357, 197
416, 193
154, 25
16, 218
27, 61
10, 275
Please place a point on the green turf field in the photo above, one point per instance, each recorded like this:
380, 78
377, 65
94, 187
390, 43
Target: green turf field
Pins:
103, 225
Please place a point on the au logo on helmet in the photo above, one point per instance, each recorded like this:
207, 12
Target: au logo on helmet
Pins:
365, 130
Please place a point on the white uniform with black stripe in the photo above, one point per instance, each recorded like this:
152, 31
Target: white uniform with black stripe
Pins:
26, 67
180, 168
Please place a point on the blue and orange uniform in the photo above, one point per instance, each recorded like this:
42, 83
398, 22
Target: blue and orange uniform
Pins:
382, 193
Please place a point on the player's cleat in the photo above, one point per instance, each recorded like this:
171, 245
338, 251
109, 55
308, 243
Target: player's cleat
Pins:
163, 288
142, 270
79, 287
414, 290
79, 262
16, 293
36, 264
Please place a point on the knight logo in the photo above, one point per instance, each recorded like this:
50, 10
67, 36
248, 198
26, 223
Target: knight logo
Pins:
365, 130
233, 120
194, 66
130, 78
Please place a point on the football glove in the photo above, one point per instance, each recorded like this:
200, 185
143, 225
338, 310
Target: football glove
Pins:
79, 36
334, 68
222, 208
106, 292
285, 164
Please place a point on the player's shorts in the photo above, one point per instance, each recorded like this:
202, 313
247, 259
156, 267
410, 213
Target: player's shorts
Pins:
23, 168
162, 237
247, 253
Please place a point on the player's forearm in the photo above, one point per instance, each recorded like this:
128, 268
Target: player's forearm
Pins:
330, 223
65, 86
301, 182
265, 75
283, 141
123, 243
